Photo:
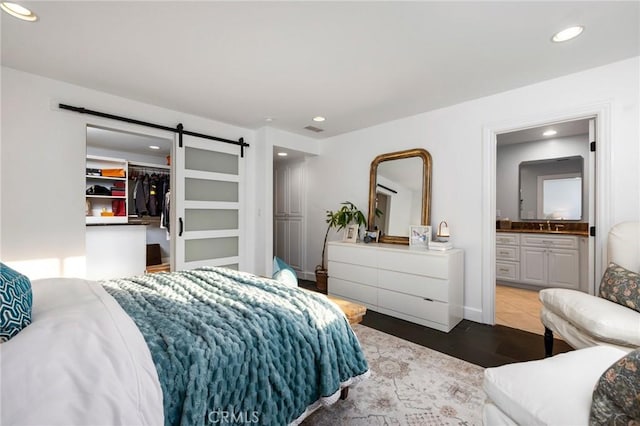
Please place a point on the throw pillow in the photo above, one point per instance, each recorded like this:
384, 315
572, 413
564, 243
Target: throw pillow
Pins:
621, 286
15, 302
284, 273
616, 397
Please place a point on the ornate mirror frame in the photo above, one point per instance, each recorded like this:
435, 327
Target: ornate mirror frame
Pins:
426, 189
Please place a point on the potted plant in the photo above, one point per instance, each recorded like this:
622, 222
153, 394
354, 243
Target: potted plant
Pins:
346, 215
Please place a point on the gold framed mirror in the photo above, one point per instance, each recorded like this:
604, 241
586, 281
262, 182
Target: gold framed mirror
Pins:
400, 189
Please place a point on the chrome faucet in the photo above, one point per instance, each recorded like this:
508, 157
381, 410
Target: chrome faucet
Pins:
559, 227
548, 226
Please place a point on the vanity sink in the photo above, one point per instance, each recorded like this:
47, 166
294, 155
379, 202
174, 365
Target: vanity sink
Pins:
546, 231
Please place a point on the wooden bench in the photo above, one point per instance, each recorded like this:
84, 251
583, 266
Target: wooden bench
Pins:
353, 311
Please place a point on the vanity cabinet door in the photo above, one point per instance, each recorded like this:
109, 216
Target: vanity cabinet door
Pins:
563, 266
533, 265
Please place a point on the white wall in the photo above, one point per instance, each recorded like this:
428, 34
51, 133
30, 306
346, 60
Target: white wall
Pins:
510, 156
454, 137
43, 160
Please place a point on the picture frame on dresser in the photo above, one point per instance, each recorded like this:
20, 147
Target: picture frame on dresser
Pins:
371, 236
351, 233
419, 236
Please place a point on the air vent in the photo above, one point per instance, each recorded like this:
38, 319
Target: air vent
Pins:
314, 129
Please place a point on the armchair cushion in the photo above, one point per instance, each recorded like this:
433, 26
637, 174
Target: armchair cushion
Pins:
598, 317
616, 398
621, 286
551, 391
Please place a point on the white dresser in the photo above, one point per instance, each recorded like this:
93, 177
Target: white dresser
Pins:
421, 286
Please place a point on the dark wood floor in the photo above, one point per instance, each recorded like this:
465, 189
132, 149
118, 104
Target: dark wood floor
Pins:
480, 344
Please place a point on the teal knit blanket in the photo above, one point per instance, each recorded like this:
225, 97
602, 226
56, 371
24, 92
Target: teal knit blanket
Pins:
233, 348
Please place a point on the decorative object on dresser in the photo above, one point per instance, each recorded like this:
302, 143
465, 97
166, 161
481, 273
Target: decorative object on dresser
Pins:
396, 181
419, 236
346, 215
421, 286
371, 236
443, 232
351, 233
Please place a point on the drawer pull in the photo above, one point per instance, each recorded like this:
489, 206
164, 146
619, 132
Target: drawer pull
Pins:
427, 299
504, 253
504, 270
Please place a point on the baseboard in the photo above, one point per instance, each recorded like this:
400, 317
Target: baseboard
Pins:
309, 276
472, 314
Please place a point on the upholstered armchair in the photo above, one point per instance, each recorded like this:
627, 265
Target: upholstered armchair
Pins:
590, 385
583, 320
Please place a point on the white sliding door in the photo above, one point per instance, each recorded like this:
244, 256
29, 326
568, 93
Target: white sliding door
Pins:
208, 197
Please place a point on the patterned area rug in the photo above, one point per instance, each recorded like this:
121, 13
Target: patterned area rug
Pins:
409, 385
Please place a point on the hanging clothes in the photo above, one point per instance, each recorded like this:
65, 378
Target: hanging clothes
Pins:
139, 197
153, 195
165, 216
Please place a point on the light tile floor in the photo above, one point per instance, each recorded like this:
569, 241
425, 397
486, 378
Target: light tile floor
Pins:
518, 308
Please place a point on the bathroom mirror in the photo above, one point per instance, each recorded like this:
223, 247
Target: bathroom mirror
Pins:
400, 189
552, 189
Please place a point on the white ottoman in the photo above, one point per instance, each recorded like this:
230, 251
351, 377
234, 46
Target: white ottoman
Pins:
551, 391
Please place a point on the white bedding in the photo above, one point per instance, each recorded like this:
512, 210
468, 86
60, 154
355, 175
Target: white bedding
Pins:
81, 362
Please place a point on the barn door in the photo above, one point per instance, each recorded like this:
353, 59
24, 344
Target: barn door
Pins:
208, 193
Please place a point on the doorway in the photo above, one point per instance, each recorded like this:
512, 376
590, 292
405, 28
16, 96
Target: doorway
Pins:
128, 178
289, 208
531, 163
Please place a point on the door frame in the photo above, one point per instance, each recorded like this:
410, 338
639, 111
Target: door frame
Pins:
603, 205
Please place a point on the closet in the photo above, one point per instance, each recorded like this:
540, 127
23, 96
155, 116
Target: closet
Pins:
127, 186
289, 212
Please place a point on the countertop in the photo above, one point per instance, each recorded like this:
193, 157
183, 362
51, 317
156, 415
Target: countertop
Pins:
545, 231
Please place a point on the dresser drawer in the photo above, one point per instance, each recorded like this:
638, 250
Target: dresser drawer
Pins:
508, 271
507, 239
354, 291
432, 265
415, 306
355, 254
508, 253
546, 240
356, 273
417, 285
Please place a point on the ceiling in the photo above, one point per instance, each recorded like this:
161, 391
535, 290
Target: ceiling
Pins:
356, 63
565, 129
128, 142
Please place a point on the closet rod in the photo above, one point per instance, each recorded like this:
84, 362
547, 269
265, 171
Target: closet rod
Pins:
179, 129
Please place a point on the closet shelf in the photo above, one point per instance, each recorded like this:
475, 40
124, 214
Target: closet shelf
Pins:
104, 177
118, 197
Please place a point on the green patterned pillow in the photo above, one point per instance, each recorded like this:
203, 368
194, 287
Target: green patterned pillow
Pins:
616, 398
15, 302
621, 286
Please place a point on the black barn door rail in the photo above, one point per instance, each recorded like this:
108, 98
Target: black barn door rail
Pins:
178, 129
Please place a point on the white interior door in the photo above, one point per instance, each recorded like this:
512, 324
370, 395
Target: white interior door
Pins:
208, 193
591, 179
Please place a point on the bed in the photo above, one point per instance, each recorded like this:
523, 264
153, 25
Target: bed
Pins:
197, 347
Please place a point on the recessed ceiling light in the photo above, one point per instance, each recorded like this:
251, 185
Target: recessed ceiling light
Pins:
268, 119
154, 147
549, 132
567, 34
282, 154
18, 11
318, 118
